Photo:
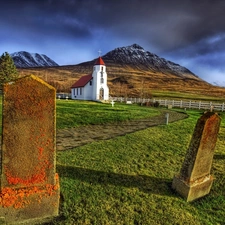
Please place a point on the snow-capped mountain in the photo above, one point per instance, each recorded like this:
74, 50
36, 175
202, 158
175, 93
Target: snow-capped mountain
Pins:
25, 59
136, 56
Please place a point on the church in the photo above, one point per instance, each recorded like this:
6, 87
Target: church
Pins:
93, 86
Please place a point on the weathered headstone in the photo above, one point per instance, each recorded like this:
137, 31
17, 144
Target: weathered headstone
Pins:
194, 180
29, 183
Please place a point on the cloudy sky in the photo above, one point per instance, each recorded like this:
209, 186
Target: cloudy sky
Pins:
188, 32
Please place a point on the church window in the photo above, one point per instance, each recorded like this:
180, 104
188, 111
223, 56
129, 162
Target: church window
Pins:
77, 91
90, 82
102, 80
80, 91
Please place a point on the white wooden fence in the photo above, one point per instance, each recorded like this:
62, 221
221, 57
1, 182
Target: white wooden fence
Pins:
164, 102
192, 104
175, 103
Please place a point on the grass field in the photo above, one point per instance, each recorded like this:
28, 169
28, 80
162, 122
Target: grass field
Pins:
127, 180
78, 113
174, 95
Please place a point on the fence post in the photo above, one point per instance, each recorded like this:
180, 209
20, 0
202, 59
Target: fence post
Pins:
180, 103
199, 105
189, 104
223, 107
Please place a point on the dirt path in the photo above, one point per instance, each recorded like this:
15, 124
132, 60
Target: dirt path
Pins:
72, 137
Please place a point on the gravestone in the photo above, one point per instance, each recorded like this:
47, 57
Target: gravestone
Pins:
194, 180
29, 183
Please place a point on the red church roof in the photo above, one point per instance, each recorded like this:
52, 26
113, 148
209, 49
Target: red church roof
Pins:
82, 81
99, 61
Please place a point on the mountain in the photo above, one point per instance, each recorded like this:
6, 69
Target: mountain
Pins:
134, 57
138, 58
132, 72
25, 59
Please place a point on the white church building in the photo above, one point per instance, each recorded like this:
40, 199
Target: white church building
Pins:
93, 86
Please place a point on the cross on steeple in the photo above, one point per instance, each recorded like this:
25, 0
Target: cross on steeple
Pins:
99, 52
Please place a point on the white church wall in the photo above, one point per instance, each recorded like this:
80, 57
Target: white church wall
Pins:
82, 93
73, 93
88, 90
99, 74
77, 93
91, 91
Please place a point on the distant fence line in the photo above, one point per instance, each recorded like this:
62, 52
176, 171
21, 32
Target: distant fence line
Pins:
63, 95
163, 102
174, 103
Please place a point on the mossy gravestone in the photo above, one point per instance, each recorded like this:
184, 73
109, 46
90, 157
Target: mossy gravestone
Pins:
194, 180
29, 185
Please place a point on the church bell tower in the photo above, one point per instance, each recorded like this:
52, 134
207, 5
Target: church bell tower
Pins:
100, 88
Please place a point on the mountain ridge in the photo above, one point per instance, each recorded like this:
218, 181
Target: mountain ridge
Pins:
136, 58
132, 72
136, 55
23, 59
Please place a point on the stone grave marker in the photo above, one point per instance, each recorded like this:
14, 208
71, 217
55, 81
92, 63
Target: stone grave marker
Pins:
194, 180
29, 183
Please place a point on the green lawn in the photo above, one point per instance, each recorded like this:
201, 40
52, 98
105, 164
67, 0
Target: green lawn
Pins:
127, 180
77, 113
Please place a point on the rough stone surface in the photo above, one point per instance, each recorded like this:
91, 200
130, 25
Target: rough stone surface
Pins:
194, 180
28, 180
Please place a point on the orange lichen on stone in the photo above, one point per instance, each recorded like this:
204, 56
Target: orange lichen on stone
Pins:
19, 198
38, 177
40, 149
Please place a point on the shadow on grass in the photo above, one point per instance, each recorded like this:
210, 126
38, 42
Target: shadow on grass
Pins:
219, 156
154, 185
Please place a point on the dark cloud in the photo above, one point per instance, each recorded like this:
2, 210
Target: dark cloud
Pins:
166, 24
180, 30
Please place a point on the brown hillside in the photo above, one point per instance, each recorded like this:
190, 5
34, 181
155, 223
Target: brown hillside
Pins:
125, 80
132, 72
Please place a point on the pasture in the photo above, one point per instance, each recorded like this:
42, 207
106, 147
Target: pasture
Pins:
127, 179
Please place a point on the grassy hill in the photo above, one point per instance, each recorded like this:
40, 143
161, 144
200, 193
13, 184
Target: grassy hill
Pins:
127, 81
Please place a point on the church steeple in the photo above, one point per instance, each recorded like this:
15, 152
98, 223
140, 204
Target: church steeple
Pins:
99, 61
100, 88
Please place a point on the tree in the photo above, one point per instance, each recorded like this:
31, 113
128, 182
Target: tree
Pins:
8, 71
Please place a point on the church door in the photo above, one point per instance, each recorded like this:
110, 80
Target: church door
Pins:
101, 94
